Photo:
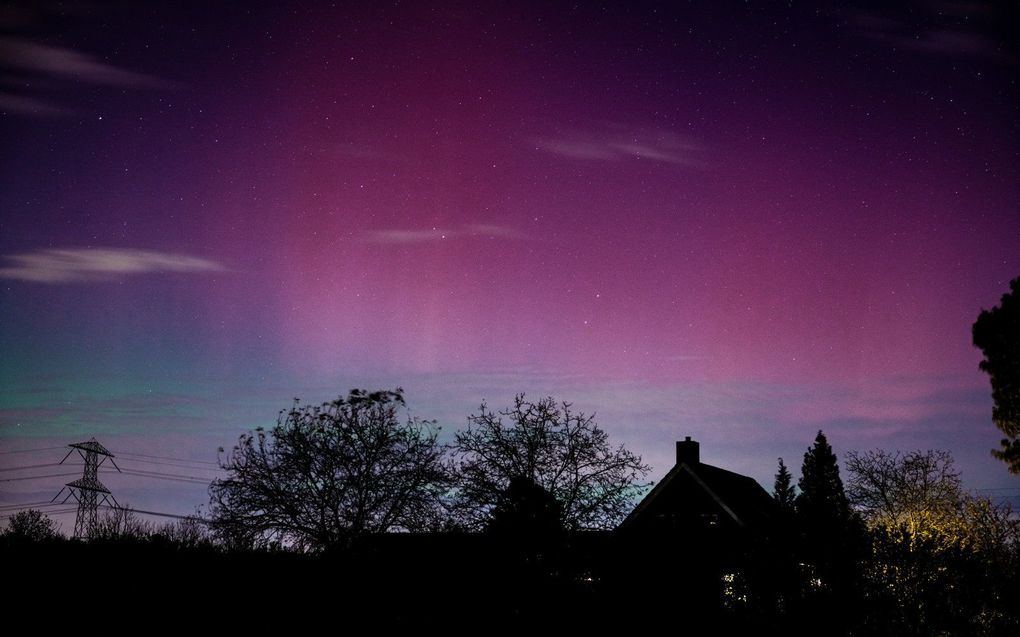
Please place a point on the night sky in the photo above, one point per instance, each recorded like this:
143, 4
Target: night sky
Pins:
740, 224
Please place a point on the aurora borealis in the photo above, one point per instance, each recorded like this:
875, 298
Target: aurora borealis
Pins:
738, 224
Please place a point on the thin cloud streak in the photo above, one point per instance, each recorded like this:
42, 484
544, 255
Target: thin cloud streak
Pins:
61, 67
25, 105
400, 236
98, 264
27, 55
946, 40
617, 144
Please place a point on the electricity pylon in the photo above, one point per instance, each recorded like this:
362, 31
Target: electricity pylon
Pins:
88, 491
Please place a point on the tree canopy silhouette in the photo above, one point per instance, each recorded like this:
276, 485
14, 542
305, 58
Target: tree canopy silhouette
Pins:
325, 474
833, 538
997, 333
31, 525
822, 497
941, 559
783, 490
526, 509
894, 488
551, 447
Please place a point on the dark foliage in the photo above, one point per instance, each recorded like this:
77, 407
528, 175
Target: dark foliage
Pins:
526, 510
30, 525
822, 498
997, 333
527, 525
958, 579
833, 540
783, 490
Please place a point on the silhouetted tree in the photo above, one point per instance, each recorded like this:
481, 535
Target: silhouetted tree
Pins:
527, 522
562, 452
822, 496
188, 532
526, 509
122, 523
942, 560
328, 473
31, 525
777, 576
997, 333
833, 538
894, 488
783, 490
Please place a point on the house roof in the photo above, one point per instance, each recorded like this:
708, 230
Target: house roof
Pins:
739, 497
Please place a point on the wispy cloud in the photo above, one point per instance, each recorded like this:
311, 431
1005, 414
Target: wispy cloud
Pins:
947, 30
615, 143
25, 105
403, 236
369, 152
98, 264
491, 230
60, 67
23, 54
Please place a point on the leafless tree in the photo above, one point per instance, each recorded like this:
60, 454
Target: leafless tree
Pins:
188, 532
941, 557
328, 473
121, 522
548, 444
888, 486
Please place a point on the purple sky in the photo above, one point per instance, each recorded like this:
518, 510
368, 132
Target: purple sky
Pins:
741, 225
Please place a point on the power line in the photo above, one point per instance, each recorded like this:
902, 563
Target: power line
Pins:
7, 516
169, 464
49, 475
141, 473
124, 454
31, 466
166, 476
164, 515
4, 453
8, 507
143, 455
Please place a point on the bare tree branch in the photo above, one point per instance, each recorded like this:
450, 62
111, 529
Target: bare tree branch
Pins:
328, 473
546, 443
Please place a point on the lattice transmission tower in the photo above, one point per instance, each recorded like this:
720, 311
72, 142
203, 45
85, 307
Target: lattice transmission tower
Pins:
88, 491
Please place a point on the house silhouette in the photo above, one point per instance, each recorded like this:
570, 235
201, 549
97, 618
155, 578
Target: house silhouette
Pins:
699, 499
693, 543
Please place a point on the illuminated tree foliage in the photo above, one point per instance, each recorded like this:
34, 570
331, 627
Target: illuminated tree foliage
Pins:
940, 557
327, 473
893, 488
549, 446
997, 333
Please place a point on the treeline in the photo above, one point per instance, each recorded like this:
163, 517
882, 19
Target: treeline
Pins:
900, 549
327, 474
348, 509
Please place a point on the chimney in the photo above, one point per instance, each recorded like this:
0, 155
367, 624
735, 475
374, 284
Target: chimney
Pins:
688, 451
